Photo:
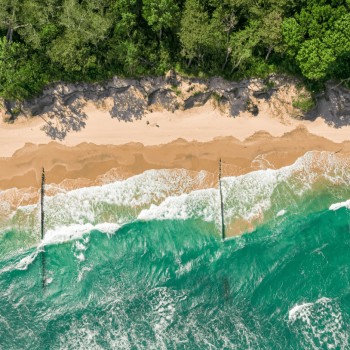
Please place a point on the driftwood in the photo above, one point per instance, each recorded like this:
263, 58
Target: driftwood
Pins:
340, 83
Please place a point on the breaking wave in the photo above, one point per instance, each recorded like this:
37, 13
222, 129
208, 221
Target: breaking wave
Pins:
137, 261
249, 199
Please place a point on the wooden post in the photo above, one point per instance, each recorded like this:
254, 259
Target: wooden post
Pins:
222, 206
43, 262
42, 203
227, 295
43, 221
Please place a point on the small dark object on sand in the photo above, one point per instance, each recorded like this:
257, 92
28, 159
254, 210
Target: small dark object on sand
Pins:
147, 122
157, 125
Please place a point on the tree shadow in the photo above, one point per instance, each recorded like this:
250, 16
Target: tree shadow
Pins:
66, 112
66, 120
333, 106
128, 105
339, 120
127, 113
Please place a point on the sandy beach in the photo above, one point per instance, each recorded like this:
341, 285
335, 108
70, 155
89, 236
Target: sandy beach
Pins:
194, 139
174, 175
202, 124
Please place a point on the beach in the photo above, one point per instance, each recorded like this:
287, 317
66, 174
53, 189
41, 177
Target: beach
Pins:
133, 248
175, 175
194, 139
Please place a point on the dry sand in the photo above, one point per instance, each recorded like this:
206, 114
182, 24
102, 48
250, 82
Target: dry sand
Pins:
194, 139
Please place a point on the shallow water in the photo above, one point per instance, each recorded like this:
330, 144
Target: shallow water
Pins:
139, 264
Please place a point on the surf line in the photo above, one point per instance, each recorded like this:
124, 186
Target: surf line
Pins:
222, 206
43, 221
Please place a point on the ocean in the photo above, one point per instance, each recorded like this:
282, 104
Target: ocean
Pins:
140, 263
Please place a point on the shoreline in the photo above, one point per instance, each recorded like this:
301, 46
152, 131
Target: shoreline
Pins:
84, 164
192, 139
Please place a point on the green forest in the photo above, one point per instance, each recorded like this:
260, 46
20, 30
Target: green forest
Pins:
43, 41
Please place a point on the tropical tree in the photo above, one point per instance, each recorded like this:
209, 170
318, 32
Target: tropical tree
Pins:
160, 14
243, 43
40, 18
84, 26
271, 33
10, 17
16, 70
195, 33
223, 22
317, 36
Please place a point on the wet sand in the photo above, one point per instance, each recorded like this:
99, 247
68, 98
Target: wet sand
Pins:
106, 149
87, 162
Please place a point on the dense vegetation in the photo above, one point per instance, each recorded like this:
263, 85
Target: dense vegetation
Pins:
91, 40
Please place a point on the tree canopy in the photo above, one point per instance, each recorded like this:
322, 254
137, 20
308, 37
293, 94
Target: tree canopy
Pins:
91, 40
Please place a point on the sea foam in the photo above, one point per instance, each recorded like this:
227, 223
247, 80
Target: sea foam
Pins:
319, 324
180, 194
337, 206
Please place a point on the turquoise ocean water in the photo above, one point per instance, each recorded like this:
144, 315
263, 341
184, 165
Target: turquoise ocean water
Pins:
139, 264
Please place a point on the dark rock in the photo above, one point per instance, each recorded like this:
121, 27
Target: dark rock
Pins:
197, 100
170, 77
164, 97
266, 95
132, 97
38, 106
71, 98
251, 107
333, 105
129, 106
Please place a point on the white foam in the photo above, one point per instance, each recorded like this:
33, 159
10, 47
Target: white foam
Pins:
80, 246
80, 275
80, 256
174, 194
298, 310
198, 204
281, 212
108, 228
320, 323
25, 262
5, 208
119, 202
337, 206
63, 234
60, 235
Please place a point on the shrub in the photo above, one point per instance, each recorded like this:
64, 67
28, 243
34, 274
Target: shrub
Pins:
8, 120
216, 96
177, 92
304, 103
270, 84
16, 111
